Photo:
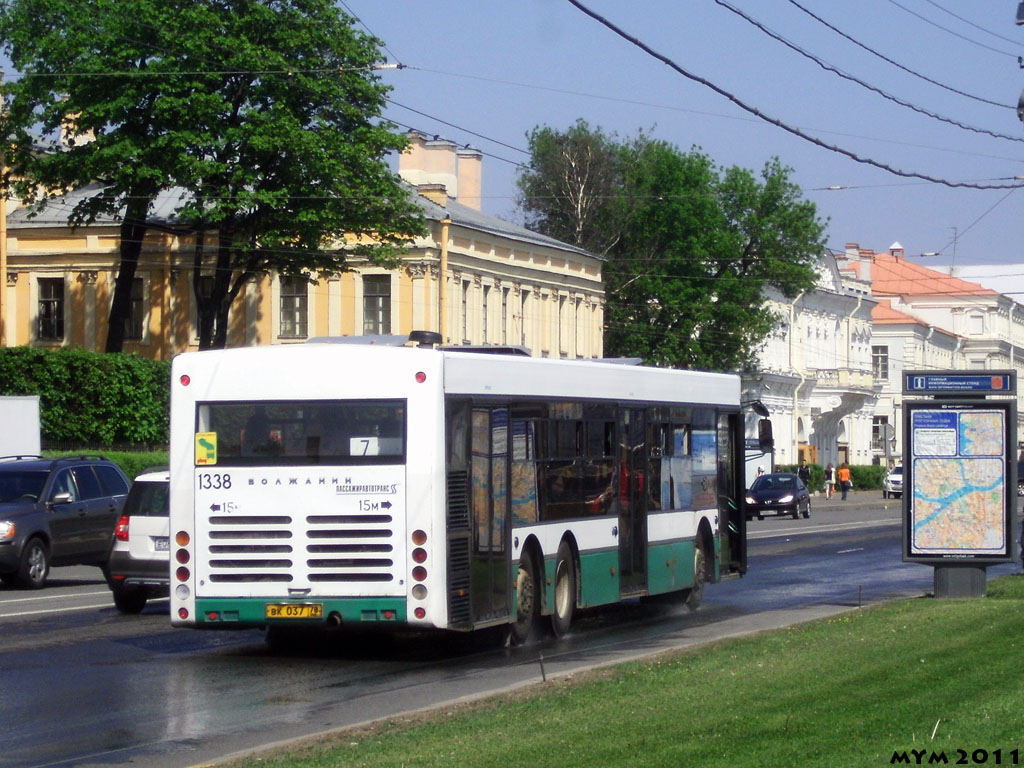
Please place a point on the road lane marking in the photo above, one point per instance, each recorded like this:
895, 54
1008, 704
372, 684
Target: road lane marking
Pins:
55, 610
781, 532
54, 597
848, 551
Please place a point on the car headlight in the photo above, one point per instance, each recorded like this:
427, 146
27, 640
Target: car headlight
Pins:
786, 499
750, 500
6, 529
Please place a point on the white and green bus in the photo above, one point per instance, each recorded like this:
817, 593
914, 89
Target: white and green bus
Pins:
346, 484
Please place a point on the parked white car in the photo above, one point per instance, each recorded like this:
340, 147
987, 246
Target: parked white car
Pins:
892, 486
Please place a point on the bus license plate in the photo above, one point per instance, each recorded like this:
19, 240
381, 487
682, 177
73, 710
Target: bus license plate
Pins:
160, 544
294, 611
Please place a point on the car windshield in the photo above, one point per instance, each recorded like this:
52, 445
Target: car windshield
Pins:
21, 486
774, 483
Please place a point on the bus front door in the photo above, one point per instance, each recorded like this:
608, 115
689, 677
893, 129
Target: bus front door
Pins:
632, 503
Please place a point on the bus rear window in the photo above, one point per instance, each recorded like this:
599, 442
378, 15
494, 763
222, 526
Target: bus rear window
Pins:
306, 432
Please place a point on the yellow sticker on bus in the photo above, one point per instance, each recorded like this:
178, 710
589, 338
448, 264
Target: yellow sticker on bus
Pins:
206, 448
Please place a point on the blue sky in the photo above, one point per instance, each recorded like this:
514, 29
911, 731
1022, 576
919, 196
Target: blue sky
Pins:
484, 73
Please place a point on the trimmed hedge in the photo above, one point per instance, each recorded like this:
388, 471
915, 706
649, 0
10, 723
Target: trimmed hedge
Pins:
92, 398
864, 476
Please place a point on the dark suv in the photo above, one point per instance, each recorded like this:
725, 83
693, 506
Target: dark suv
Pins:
56, 512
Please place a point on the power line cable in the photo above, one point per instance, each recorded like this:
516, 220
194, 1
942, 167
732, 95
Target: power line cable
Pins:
972, 24
457, 127
768, 118
952, 32
674, 108
838, 72
362, 23
896, 64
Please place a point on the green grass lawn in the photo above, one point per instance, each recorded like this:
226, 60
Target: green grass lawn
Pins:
923, 674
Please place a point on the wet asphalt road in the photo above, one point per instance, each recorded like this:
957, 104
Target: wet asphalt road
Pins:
85, 686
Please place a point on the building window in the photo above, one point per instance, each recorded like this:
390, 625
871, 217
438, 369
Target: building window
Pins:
483, 316
293, 306
136, 312
465, 312
524, 297
975, 324
51, 309
879, 432
880, 363
504, 315
376, 304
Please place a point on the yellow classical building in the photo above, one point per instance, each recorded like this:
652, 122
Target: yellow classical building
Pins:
475, 278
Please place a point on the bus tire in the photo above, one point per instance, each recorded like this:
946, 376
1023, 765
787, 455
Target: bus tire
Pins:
696, 592
524, 628
565, 590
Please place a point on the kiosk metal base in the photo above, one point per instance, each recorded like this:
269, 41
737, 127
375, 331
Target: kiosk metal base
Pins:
960, 581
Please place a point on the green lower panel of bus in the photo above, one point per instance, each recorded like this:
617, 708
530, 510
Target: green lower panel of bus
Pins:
250, 611
599, 578
669, 566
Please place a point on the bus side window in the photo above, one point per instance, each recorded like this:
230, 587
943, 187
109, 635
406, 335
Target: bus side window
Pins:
568, 439
458, 435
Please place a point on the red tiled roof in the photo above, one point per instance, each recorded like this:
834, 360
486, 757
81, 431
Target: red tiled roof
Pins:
898, 277
883, 314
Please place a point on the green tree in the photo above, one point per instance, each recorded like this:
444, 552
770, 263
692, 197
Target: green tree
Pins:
261, 115
572, 185
694, 249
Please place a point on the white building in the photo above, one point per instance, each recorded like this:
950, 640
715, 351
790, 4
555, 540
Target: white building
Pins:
928, 319
814, 372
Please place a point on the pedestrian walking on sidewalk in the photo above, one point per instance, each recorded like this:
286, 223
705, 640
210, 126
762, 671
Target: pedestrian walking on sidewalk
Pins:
845, 480
804, 473
830, 480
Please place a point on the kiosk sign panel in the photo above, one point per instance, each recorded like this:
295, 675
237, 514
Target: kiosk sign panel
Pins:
960, 484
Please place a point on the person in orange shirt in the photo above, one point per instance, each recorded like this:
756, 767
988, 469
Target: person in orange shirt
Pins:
845, 481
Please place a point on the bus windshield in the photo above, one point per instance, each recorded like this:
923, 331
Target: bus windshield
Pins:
279, 432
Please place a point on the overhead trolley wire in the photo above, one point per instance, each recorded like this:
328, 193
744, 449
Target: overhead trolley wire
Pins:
952, 32
885, 95
896, 64
773, 120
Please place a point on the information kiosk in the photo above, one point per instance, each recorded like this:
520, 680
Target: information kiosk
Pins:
960, 437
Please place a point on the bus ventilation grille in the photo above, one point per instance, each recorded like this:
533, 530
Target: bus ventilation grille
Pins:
458, 580
458, 501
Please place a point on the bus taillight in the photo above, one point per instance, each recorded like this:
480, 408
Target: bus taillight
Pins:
419, 573
419, 555
182, 574
181, 538
420, 613
185, 379
420, 377
419, 538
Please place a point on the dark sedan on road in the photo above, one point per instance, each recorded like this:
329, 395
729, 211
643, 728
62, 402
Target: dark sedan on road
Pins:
778, 493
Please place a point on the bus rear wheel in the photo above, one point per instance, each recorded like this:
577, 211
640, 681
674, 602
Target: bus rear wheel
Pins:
524, 628
565, 591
